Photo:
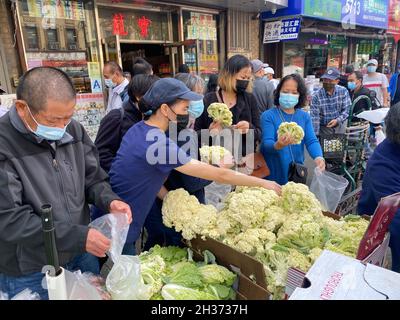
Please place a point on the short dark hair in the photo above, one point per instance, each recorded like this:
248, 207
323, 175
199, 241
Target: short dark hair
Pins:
141, 66
140, 84
114, 67
183, 68
392, 124
301, 88
349, 69
359, 75
40, 84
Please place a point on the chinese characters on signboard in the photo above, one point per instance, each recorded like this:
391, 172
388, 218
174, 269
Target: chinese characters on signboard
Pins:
282, 30
202, 27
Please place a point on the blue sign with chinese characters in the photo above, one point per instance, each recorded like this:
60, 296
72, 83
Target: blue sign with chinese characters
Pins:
290, 29
367, 13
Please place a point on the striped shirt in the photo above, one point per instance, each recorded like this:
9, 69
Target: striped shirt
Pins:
325, 107
377, 83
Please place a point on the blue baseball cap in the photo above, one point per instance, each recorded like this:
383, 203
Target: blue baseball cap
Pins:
332, 74
168, 90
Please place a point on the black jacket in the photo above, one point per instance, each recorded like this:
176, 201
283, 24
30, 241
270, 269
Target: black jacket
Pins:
33, 173
362, 105
245, 110
112, 129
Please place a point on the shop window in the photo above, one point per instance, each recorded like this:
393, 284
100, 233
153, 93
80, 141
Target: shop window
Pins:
201, 48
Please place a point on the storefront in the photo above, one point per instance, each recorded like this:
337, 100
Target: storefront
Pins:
79, 36
333, 34
394, 30
166, 35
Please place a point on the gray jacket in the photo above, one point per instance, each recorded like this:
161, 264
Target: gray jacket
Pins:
33, 173
263, 92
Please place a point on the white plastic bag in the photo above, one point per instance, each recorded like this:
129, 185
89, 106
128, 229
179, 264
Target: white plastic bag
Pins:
374, 116
27, 294
379, 136
125, 281
115, 227
328, 188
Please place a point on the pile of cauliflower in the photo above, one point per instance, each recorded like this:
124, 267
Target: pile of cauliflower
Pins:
220, 112
280, 231
293, 130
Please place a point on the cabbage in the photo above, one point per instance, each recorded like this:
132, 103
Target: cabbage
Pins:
186, 274
293, 130
215, 274
178, 292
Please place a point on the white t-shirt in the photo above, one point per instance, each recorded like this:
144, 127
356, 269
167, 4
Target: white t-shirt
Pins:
114, 99
377, 83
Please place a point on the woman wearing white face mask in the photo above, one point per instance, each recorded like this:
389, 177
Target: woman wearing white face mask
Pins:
280, 153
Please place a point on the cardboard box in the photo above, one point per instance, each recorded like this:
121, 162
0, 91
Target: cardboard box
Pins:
245, 266
337, 277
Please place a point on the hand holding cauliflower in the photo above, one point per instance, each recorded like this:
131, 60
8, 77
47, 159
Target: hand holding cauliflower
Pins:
220, 112
293, 130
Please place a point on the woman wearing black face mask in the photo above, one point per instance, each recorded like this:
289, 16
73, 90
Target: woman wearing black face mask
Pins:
147, 156
235, 87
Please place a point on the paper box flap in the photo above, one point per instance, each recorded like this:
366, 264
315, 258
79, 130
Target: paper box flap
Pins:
336, 277
384, 281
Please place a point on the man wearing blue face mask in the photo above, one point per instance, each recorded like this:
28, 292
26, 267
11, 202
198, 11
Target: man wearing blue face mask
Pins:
117, 85
377, 82
48, 158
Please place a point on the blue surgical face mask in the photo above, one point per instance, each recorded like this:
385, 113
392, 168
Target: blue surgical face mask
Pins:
196, 108
48, 133
109, 83
351, 85
288, 100
372, 69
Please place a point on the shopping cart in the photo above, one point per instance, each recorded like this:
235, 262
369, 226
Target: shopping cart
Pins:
345, 153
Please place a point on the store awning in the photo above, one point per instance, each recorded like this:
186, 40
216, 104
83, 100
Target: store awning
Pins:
243, 5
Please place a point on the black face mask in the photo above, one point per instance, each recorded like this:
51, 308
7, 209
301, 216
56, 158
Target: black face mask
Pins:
181, 122
242, 85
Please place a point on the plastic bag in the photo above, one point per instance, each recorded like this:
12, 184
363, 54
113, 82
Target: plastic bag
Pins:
88, 286
379, 136
125, 281
115, 227
27, 294
328, 188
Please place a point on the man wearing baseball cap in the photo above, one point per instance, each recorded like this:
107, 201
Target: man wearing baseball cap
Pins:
377, 82
269, 74
147, 155
330, 105
394, 87
263, 90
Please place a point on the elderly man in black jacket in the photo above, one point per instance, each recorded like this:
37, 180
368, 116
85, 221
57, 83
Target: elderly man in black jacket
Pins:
46, 157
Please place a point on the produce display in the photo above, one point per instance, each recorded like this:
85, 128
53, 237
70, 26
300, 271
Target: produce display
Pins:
293, 130
214, 154
220, 112
170, 273
279, 231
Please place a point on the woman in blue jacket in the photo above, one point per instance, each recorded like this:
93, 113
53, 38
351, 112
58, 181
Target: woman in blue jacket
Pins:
290, 97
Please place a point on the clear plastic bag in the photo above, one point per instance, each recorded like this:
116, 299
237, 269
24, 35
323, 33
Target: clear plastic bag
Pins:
125, 281
27, 294
87, 286
328, 188
115, 227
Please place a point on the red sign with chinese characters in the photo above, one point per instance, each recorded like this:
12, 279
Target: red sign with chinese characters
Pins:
144, 24
394, 19
118, 25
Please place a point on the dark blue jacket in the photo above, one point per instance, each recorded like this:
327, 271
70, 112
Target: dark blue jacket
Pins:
393, 85
382, 179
